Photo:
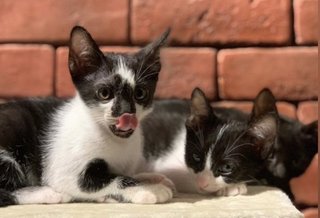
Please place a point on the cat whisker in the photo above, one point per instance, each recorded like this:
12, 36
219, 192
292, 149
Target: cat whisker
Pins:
140, 76
236, 147
235, 141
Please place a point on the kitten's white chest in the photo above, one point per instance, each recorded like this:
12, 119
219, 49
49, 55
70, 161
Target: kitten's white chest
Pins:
174, 167
76, 140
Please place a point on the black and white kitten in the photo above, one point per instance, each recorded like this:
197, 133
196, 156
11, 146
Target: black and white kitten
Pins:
88, 147
217, 150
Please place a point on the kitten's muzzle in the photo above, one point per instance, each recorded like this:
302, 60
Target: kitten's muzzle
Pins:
125, 125
126, 122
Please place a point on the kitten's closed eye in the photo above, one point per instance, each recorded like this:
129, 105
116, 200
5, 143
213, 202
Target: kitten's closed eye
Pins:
196, 157
226, 169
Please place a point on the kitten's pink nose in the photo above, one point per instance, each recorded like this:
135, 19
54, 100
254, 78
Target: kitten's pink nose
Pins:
202, 182
126, 122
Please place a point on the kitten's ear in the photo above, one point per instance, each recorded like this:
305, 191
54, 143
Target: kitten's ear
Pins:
152, 50
200, 108
263, 124
264, 103
84, 54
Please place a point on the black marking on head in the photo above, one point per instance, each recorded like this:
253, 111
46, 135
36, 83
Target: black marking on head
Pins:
7, 198
95, 176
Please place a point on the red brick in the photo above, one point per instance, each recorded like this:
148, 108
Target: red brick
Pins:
218, 22
291, 73
51, 20
26, 70
306, 21
64, 86
305, 187
284, 108
307, 111
184, 69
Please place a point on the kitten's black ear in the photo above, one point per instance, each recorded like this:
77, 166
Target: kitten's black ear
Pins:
263, 124
84, 54
200, 108
152, 50
264, 103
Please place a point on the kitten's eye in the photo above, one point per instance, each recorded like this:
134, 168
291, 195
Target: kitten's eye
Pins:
140, 93
196, 157
226, 169
104, 93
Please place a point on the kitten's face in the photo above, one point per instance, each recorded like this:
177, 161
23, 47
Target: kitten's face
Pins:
117, 88
221, 153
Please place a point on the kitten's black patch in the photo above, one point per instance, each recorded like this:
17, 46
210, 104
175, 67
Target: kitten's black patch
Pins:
95, 176
118, 198
23, 126
6, 198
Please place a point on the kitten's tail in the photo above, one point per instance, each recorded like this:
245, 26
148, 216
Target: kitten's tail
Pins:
7, 198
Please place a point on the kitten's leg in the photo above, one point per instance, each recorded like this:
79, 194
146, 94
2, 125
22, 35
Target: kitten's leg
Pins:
97, 180
11, 174
233, 190
39, 195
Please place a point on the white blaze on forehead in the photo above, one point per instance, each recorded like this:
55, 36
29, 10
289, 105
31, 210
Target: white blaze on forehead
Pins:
125, 72
208, 160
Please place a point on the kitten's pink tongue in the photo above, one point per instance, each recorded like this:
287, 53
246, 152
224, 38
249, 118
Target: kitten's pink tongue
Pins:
126, 122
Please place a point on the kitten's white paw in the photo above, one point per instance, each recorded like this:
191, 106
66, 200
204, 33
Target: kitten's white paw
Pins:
155, 178
151, 194
233, 190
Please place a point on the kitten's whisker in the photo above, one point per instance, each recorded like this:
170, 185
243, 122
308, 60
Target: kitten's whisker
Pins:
235, 141
235, 154
238, 146
140, 76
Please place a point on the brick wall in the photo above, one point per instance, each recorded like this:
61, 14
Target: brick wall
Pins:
231, 49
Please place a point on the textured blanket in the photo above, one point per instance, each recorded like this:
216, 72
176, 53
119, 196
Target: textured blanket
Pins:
260, 201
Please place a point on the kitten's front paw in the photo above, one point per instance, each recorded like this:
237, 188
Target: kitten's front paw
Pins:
233, 190
155, 178
151, 194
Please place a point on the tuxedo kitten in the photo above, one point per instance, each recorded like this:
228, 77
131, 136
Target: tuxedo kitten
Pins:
217, 150
185, 148
88, 147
